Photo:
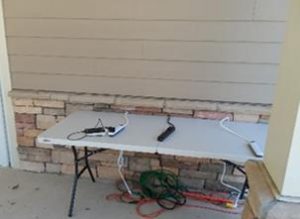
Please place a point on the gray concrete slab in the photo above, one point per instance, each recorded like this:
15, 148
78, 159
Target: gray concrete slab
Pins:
25, 195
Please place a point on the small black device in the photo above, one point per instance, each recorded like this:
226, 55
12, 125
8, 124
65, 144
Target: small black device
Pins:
93, 130
165, 134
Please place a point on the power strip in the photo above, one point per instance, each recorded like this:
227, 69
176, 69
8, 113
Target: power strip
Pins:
256, 148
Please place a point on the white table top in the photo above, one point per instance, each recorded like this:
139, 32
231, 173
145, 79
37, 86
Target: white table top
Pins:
192, 138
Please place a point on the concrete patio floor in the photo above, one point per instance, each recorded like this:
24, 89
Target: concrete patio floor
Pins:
25, 195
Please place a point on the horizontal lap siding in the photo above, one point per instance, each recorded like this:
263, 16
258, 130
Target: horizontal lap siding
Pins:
132, 9
182, 51
146, 30
196, 49
141, 87
171, 70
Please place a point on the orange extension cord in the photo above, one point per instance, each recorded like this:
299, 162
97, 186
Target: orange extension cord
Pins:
140, 203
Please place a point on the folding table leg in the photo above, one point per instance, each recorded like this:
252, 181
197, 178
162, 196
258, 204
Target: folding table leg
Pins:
78, 173
76, 177
245, 186
86, 159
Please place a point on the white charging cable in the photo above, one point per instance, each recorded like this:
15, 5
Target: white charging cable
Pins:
227, 119
120, 164
257, 150
126, 119
235, 205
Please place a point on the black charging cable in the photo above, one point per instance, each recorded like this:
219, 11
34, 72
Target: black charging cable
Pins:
79, 135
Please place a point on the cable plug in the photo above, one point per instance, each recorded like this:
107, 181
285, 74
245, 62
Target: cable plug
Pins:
231, 205
256, 148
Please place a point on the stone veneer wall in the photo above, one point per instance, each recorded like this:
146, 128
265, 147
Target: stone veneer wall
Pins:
36, 111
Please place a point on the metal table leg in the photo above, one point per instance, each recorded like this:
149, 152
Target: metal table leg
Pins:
76, 177
78, 173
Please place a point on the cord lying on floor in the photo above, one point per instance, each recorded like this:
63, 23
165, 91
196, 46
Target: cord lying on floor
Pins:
164, 189
120, 163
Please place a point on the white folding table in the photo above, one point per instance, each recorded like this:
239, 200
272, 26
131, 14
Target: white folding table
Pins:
193, 138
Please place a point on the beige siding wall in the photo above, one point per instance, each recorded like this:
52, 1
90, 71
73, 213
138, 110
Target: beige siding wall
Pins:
224, 50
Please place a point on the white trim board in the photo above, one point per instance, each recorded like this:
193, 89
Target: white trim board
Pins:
4, 156
5, 81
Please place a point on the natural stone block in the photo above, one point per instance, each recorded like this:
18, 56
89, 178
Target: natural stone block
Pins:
28, 109
44, 95
23, 102
178, 111
32, 133
118, 108
25, 141
188, 159
212, 115
32, 166
139, 164
187, 173
20, 131
131, 174
70, 108
45, 121
24, 118
191, 105
35, 154
147, 110
54, 111
246, 118
49, 103
29, 94
150, 155
108, 172
25, 126
24, 122
170, 162
53, 168
59, 118
23, 94
140, 101
92, 98
101, 107
243, 108
129, 154
70, 170
173, 170
107, 158
155, 164
64, 96
192, 183
62, 156
215, 167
